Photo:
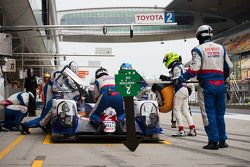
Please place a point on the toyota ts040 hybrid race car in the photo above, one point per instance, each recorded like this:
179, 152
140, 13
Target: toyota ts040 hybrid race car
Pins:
70, 118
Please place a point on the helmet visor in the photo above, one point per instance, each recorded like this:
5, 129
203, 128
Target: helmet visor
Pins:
165, 59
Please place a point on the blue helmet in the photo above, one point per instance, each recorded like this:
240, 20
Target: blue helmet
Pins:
126, 66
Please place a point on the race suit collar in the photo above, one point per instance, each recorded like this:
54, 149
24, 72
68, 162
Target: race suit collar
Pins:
204, 41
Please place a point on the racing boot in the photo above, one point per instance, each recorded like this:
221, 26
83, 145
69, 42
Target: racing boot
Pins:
3, 129
211, 146
100, 129
119, 126
44, 129
23, 129
223, 144
192, 132
180, 133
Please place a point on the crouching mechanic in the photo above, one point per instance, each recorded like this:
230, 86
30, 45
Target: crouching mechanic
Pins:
180, 101
18, 105
107, 97
51, 91
211, 65
49, 94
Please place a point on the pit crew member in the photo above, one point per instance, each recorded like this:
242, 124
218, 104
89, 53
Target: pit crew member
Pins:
180, 101
107, 97
212, 66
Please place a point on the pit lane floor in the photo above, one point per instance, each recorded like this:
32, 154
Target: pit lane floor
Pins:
37, 150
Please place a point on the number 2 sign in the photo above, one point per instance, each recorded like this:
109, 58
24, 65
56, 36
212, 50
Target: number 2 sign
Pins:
169, 17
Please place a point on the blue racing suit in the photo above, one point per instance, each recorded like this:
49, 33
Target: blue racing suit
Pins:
107, 97
48, 93
211, 64
15, 112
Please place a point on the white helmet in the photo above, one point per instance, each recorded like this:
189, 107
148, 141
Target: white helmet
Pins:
204, 31
73, 67
100, 72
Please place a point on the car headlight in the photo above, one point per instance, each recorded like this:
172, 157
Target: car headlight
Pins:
149, 113
66, 111
68, 121
147, 108
65, 107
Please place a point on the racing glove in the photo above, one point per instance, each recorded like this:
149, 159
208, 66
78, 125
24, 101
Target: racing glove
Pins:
165, 78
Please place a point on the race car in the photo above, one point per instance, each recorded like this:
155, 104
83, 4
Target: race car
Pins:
70, 117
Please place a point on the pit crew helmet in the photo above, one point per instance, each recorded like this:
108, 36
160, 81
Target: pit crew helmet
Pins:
126, 66
170, 58
204, 32
46, 75
73, 67
100, 72
30, 72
